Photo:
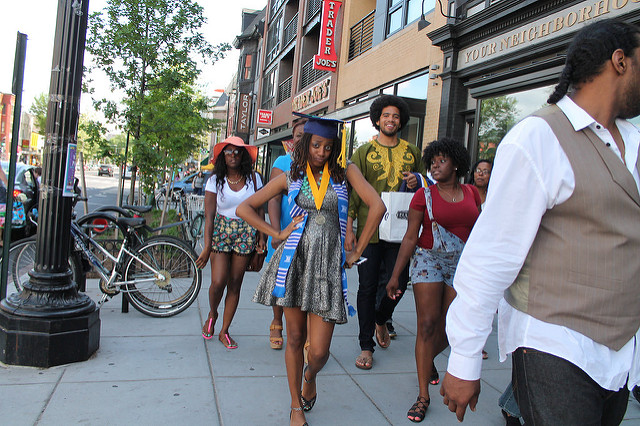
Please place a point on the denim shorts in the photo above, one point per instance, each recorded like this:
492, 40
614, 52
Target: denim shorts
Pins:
232, 236
429, 266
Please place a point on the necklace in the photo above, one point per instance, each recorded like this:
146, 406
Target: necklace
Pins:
453, 197
234, 182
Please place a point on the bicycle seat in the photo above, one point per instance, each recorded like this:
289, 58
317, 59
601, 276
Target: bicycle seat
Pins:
132, 222
137, 209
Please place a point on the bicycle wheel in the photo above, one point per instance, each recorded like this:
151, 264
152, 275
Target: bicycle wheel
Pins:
22, 257
180, 283
197, 227
197, 232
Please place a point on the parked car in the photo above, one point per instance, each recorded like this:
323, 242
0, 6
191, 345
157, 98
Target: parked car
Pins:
105, 169
127, 173
25, 195
181, 186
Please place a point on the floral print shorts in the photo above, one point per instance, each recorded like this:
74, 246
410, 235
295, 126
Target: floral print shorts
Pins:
233, 236
429, 266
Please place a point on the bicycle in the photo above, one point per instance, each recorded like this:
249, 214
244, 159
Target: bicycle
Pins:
159, 276
195, 209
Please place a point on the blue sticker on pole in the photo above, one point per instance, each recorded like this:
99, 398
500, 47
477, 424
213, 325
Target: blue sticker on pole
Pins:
70, 171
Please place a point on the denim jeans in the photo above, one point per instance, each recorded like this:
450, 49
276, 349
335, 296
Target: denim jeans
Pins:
508, 403
375, 272
552, 391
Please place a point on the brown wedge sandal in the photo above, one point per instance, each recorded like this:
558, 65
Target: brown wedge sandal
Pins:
275, 341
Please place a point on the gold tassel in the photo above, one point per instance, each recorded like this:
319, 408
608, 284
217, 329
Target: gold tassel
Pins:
342, 159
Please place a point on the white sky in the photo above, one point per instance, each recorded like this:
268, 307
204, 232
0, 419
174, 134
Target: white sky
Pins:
37, 19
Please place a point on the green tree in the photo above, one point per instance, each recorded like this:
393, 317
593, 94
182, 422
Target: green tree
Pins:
39, 110
92, 140
497, 116
149, 49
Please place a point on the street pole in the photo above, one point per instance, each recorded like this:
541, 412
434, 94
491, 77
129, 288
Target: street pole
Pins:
18, 79
49, 323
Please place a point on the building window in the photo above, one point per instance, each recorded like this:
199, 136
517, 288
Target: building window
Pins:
273, 39
246, 67
401, 13
268, 87
499, 114
415, 88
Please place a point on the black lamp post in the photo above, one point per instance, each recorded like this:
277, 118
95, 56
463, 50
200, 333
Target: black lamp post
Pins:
49, 323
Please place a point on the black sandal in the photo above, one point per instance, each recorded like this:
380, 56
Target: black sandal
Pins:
435, 377
419, 409
297, 409
307, 404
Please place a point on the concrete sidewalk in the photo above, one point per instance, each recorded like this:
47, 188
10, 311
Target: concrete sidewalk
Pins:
151, 371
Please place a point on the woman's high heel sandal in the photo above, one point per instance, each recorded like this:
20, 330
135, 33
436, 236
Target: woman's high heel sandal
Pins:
307, 404
297, 409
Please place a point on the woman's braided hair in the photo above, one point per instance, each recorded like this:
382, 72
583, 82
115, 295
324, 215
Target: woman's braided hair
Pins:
590, 49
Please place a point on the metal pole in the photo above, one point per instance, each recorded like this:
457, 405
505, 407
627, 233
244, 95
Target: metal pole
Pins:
18, 80
83, 182
49, 323
124, 167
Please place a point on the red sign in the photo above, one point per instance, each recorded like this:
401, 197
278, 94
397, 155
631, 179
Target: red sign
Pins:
327, 57
264, 116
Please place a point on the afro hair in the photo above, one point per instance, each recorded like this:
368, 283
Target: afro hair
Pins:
388, 100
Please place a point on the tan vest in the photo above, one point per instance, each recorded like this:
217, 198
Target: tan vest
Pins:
583, 268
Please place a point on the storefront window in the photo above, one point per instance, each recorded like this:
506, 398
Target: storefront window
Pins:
498, 115
411, 131
363, 132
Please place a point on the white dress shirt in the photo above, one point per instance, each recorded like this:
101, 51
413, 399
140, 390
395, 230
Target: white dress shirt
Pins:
531, 174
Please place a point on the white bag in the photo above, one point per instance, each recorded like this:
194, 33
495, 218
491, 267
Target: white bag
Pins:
394, 222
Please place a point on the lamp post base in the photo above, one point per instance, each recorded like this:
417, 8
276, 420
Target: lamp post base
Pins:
47, 342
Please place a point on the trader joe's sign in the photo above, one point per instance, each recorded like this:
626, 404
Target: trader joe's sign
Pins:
327, 57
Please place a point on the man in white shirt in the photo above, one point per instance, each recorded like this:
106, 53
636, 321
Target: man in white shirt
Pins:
561, 376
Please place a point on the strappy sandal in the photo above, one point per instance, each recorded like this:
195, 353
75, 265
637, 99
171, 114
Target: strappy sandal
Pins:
419, 409
275, 342
296, 409
226, 341
435, 377
307, 404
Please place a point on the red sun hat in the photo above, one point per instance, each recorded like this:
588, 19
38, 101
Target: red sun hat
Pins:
235, 141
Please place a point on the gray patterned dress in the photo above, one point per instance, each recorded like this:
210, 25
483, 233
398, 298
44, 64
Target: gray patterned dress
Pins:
314, 279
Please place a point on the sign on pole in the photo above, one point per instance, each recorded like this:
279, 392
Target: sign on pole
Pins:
327, 57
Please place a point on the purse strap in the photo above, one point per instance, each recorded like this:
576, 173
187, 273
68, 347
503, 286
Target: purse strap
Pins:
427, 197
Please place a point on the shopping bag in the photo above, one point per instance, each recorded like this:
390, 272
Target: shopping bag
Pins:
394, 222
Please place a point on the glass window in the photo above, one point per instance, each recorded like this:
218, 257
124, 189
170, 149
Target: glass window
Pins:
415, 88
404, 12
363, 132
498, 115
268, 86
395, 21
411, 131
246, 73
414, 10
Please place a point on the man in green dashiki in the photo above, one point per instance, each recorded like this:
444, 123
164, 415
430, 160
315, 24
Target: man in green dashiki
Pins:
385, 162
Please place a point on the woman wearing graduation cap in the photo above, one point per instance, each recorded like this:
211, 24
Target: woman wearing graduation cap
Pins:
228, 240
306, 274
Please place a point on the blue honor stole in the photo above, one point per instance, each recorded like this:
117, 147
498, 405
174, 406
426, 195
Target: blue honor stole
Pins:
294, 238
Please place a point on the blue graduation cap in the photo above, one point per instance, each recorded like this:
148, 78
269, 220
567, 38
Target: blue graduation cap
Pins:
325, 127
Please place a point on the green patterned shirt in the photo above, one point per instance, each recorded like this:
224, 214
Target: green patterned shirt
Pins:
382, 167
